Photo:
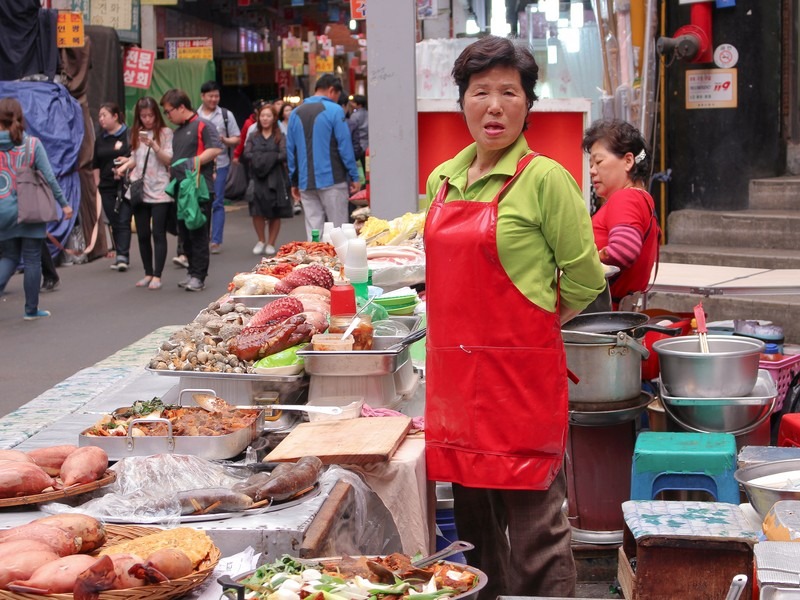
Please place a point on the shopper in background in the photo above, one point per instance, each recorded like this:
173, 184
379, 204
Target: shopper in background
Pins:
111, 149
248, 123
626, 229
506, 223
283, 117
22, 240
268, 191
320, 174
358, 122
229, 133
151, 141
193, 138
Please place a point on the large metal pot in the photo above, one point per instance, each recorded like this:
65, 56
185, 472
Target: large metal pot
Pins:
608, 372
728, 370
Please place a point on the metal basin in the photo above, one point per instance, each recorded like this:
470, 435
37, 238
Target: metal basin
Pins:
762, 497
728, 370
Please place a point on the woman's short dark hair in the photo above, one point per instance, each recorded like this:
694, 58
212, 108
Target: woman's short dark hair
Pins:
620, 137
360, 100
12, 119
493, 51
114, 110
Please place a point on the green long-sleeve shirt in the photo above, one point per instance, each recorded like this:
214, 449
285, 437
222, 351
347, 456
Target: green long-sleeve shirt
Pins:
542, 224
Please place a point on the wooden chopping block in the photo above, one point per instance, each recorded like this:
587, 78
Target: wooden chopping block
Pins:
349, 441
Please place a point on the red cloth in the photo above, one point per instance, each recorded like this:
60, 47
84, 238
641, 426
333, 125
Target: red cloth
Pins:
237, 152
496, 374
633, 207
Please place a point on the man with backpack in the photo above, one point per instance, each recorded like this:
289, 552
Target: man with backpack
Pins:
229, 133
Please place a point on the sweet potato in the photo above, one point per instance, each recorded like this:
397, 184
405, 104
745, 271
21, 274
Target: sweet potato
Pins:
163, 565
109, 572
22, 565
302, 475
91, 531
15, 455
51, 459
61, 542
8, 549
84, 465
22, 479
57, 577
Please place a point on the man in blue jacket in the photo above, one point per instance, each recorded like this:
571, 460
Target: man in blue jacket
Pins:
322, 167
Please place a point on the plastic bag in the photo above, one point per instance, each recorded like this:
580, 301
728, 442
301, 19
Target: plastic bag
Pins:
284, 358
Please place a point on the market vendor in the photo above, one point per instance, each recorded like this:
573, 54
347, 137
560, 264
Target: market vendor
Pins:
503, 222
625, 227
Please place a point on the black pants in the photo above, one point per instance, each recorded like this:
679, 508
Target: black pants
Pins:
195, 244
49, 272
154, 255
119, 218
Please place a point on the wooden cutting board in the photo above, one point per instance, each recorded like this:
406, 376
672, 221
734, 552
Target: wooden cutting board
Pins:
351, 441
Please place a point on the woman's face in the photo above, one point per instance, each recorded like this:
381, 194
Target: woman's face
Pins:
147, 118
495, 107
609, 172
287, 110
107, 121
266, 118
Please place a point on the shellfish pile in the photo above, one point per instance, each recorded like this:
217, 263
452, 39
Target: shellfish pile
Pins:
202, 345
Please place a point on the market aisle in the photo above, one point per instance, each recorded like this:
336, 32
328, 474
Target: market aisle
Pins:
97, 311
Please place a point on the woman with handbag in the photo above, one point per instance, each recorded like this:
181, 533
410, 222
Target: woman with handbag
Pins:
111, 149
19, 151
268, 191
151, 142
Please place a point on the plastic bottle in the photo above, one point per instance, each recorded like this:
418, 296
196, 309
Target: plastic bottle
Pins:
315, 235
771, 353
343, 298
356, 268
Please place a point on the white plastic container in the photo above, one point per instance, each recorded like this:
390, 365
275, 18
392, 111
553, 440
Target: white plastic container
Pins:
351, 407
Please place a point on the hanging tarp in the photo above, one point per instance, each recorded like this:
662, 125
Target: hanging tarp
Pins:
27, 40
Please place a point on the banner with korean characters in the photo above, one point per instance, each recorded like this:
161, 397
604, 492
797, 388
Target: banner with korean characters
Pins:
122, 15
358, 9
138, 67
711, 88
234, 71
69, 30
189, 47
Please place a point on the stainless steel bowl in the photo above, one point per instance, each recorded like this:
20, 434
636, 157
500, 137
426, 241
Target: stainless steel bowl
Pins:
762, 497
728, 370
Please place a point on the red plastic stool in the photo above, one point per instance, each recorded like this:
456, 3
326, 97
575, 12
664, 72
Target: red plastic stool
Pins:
789, 430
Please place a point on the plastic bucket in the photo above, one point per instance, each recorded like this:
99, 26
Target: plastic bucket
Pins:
446, 533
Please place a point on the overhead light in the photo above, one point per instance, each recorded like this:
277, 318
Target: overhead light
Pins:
551, 10
353, 24
576, 14
471, 27
552, 51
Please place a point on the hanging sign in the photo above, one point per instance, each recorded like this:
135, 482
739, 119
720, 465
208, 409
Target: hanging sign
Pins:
113, 13
69, 30
324, 63
293, 55
138, 69
198, 48
234, 71
283, 77
358, 9
711, 88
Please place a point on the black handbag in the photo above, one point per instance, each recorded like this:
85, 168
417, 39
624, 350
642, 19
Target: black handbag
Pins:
236, 181
35, 200
136, 188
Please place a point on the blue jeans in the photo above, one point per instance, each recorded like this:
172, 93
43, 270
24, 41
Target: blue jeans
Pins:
30, 249
218, 208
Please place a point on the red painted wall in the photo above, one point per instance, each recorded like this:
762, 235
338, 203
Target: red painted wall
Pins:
442, 135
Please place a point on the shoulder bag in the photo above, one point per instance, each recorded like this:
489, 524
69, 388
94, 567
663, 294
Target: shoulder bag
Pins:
136, 189
35, 200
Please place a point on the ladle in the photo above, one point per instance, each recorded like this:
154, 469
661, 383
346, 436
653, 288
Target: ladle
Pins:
324, 410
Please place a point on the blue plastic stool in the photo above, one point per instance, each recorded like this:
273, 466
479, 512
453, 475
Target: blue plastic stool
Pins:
684, 461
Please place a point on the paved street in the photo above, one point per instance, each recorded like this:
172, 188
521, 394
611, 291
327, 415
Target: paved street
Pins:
97, 311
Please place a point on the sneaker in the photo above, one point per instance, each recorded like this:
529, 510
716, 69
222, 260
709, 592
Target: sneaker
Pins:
122, 267
115, 266
195, 285
269, 249
259, 248
184, 282
50, 285
181, 261
216, 248
37, 315
296, 209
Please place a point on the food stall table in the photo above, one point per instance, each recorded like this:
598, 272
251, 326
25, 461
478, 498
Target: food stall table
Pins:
58, 415
709, 280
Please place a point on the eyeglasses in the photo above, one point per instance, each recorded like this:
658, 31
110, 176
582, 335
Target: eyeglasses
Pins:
167, 111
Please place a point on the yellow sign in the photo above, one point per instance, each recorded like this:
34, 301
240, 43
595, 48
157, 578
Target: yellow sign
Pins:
198, 48
293, 56
234, 71
69, 30
325, 64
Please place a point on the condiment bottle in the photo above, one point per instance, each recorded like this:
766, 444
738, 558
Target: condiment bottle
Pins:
315, 235
356, 268
343, 298
771, 353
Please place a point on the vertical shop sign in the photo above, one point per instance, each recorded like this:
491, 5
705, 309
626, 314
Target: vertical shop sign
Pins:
138, 69
234, 71
69, 30
711, 88
283, 77
293, 55
358, 9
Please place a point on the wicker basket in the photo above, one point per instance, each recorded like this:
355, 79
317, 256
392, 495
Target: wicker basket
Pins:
782, 372
161, 591
107, 478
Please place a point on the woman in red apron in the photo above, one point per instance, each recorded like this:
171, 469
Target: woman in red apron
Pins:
503, 222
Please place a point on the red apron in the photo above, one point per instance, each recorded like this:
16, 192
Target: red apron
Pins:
496, 375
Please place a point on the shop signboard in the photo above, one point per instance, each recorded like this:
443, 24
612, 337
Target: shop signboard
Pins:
69, 30
324, 62
283, 77
711, 88
190, 47
138, 67
293, 55
159, 2
234, 71
358, 9
122, 15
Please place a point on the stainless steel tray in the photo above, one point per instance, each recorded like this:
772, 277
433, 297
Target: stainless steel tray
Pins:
232, 376
763, 393
212, 447
360, 363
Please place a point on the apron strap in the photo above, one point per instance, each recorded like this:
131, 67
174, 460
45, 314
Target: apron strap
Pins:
523, 162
